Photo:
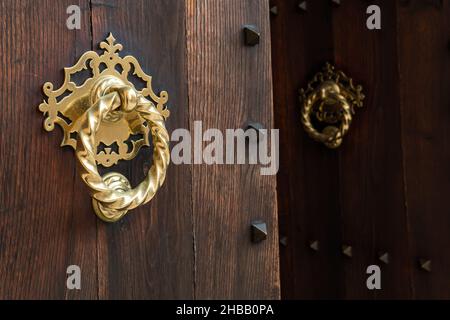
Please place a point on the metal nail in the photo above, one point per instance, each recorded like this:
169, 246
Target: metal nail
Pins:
425, 264
314, 245
274, 10
347, 251
384, 257
252, 35
303, 5
258, 127
259, 231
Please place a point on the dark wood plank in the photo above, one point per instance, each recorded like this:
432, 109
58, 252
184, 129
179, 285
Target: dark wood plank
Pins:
308, 183
230, 84
357, 192
150, 253
370, 160
424, 66
42, 228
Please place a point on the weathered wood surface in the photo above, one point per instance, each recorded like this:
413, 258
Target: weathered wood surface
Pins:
229, 85
192, 240
385, 189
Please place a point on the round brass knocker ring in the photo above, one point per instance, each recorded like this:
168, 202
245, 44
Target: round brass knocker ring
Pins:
112, 195
331, 97
328, 93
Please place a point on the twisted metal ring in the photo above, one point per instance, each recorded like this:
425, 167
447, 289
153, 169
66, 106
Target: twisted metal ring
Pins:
112, 195
328, 93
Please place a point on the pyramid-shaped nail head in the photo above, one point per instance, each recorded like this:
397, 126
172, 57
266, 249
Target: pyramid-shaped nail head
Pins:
347, 251
314, 245
252, 35
274, 10
425, 264
303, 5
259, 231
384, 257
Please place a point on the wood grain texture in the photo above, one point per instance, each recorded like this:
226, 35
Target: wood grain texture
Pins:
424, 64
160, 250
43, 229
230, 84
307, 182
387, 191
47, 222
371, 188
149, 254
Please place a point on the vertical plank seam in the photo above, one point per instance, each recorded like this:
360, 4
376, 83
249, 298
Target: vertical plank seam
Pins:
186, 66
402, 145
91, 30
71, 239
283, 263
272, 121
75, 176
339, 179
91, 25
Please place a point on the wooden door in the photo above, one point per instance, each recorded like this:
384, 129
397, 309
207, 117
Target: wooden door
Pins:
193, 239
385, 189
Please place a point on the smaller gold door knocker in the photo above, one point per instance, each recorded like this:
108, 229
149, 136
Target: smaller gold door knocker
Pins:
106, 119
331, 97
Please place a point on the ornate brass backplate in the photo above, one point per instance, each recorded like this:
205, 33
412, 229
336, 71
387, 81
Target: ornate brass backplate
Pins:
331, 97
106, 119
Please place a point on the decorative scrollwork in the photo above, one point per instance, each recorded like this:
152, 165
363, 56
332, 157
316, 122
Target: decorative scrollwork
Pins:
66, 104
100, 117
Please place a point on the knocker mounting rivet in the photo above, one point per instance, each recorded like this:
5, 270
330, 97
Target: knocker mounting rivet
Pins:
106, 120
329, 101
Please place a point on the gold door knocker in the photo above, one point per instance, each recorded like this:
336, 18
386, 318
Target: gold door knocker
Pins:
331, 96
106, 119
